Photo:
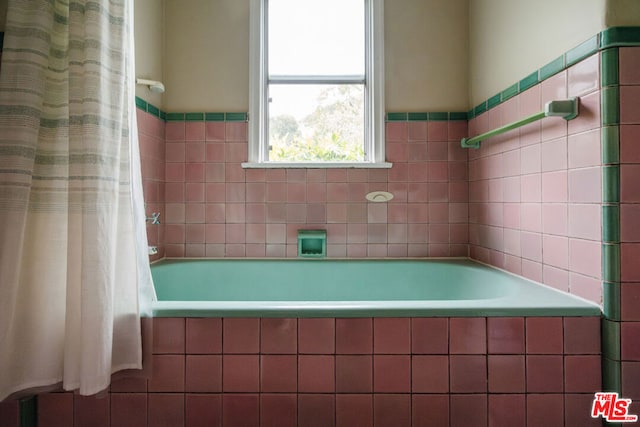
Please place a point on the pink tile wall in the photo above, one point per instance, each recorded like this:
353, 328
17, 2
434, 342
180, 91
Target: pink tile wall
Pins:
151, 135
215, 208
535, 192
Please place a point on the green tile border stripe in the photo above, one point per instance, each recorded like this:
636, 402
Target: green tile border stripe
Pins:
619, 36
583, 50
552, 68
436, 116
609, 67
611, 300
610, 143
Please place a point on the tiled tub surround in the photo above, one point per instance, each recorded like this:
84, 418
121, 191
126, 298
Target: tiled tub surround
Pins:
535, 193
511, 371
215, 208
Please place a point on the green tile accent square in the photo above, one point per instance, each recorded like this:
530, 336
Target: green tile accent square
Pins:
611, 299
415, 117
396, 117
583, 50
610, 339
235, 117
611, 377
457, 116
493, 101
479, 109
28, 411
610, 142
553, 67
163, 115
610, 105
529, 81
611, 184
438, 117
509, 92
141, 104
194, 117
611, 223
620, 36
175, 117
609, 67
214, 117
611, 262
471, 114
152, 109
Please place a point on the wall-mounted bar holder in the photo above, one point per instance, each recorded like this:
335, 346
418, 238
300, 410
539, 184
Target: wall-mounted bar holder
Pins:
566, 108
154, 218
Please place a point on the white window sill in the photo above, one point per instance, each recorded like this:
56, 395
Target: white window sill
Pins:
319, 165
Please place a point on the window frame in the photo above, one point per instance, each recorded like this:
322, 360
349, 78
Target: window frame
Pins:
373, 85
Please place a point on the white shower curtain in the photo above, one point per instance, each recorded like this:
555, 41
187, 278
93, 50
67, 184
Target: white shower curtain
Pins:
74, 274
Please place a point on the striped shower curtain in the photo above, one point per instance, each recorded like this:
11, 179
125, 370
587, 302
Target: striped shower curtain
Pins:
74, 274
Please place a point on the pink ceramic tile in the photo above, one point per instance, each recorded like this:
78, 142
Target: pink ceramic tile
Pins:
316, 409
203, 336
241, 335
127, 410
555, 251
316, 192
214, 152
630, 305
174, 172
589, 117
584, 149
630, 347
174, 152
354, 410
278, 410
531, 269
354, 374
458, 171
235, 131
91, 410
296, 192
554, 155
276, 213
316, 336
276, 192
316, 374
194, 172
397, 233
554, 88
168, 373
531, 188
468, 410
203, 373
589, 288
255, 213
545, 410
458, 130
396, 131
255, 233
506, 373
437, 131
239, 410
175, 131
215, 192
629, 109
240, 373
194, 192
278, 336
438, 151
55, 409
214, 131
544, 335
175, 213
397, 152
582, 335
507, 410
629, 65
168, 335
554, 218
195, 233
354, 336
417, 172
392, 335
255, 192
584, 77
577, 410
296, 213
505, 335
215, 233
214, 172
496, 190
417, 192
377, 212
278, 373
585, 257
399, 172
555, 277
392, 374
377, 234
530, 160
630, 387
203, 410
544, 374
236, 152
467, 335
584, 221
468, 373
417, 152
430, 374
194, 152
582, 374
430, 410
585, 185
234, 172
629, 179
554, 187
234, 233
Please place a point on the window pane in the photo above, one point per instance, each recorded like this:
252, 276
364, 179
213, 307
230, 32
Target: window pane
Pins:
316, 123
311, 37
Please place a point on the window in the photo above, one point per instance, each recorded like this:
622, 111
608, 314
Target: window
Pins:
316, 90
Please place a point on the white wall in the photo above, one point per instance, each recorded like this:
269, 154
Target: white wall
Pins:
149, 46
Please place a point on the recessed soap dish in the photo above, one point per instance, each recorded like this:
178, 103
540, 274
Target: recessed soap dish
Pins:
379, 196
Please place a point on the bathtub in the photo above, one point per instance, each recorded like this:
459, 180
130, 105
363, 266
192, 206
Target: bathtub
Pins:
352, 288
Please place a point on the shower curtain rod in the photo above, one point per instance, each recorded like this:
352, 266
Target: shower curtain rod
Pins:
566, 108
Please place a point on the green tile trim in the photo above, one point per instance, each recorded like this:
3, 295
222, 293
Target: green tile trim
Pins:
620, 36
396, 117
480, 108
610, 106
609, 67
152, 109
141, 103
611, 223
163, 115
194, 117
414, 117
458, 116
610, 143
611, 184
611, 376
611, 262
529, 81
493, 101
509, 92
610, 339
471, 114
553, 67
583, 50
437, 117
611, 300
29, 411
214, 117
235, 117
175, 117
